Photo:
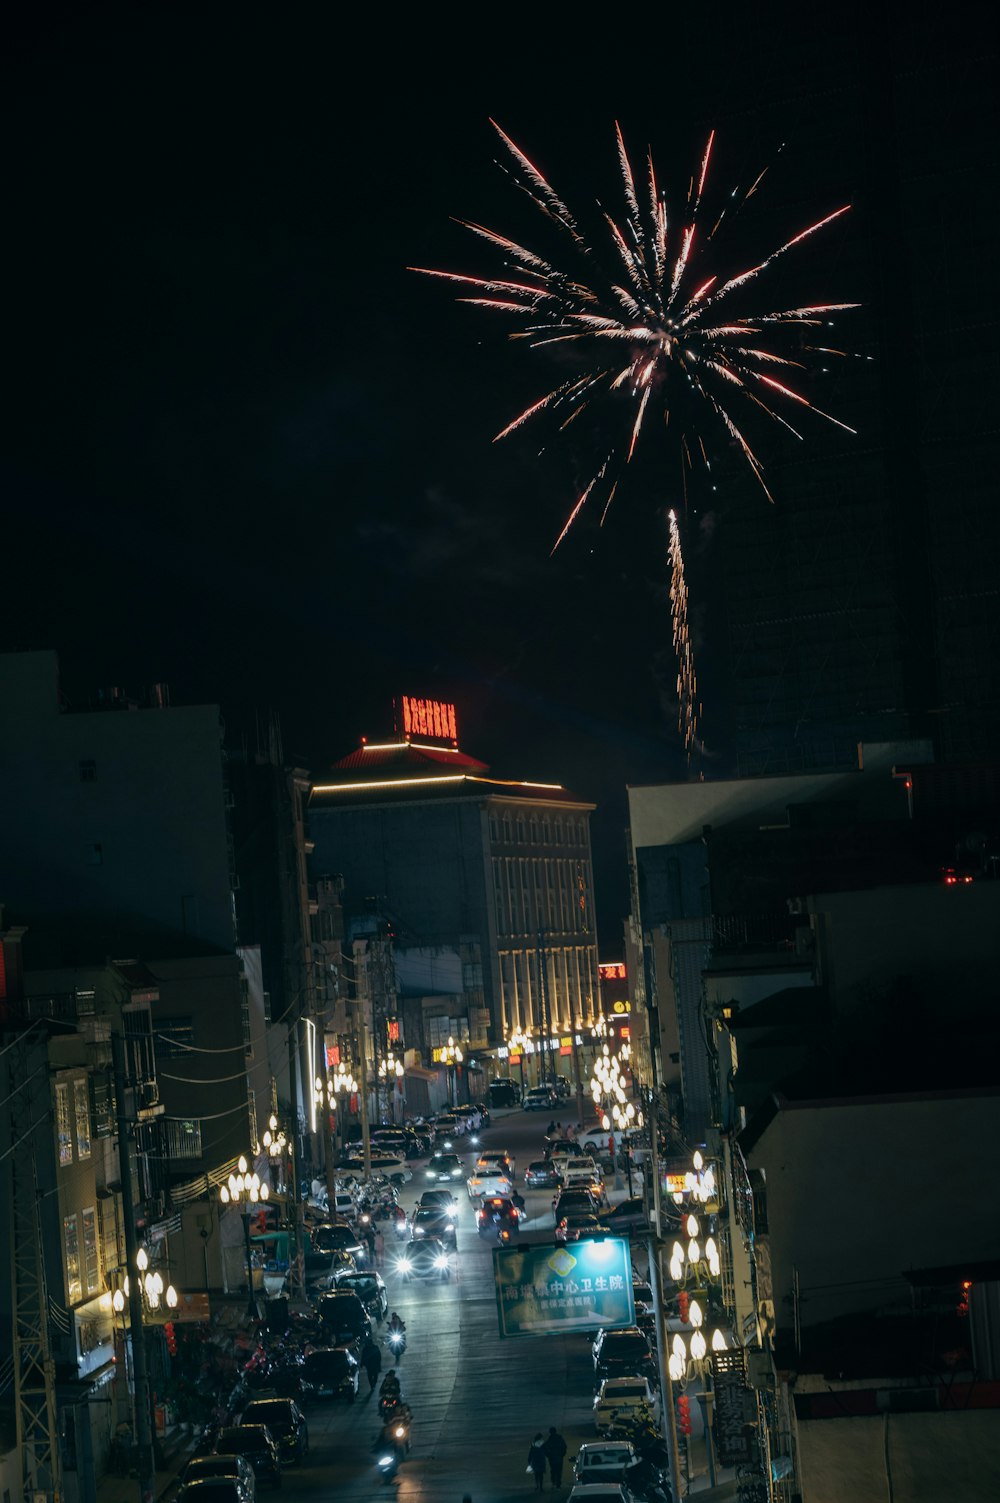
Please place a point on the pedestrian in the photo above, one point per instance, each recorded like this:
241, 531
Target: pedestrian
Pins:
371, 1361
536, 1462
370, 1239
379, 1247
555, 1450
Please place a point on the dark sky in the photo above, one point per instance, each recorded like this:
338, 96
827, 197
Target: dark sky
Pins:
249, 453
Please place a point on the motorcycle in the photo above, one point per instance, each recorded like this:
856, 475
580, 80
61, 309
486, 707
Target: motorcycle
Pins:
397, 1342
389, 1405
402, 1223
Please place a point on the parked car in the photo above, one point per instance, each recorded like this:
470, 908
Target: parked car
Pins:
338, 1236
627, 1397
539, 1099
222, 1489
286, 1422
370, 1288
600, 1492
629, 1215
602, 1461
621, 1353
257, 1445
331, 1372
224, 1465
344, 1318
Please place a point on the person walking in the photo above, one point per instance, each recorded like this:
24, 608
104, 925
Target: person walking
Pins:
370, 1239
379, 1247
371, 1360
536, 1461
555, 1450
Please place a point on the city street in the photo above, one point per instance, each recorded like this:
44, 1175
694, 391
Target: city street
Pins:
476, 1400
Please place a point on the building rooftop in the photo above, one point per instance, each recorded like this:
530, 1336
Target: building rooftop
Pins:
405, 769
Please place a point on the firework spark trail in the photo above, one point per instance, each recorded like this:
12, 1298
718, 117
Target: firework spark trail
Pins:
688, 708
648, 334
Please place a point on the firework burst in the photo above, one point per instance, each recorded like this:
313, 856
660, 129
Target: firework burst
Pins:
652, 328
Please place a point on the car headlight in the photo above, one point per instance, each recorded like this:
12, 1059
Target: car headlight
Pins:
441, 1262
448, 1227
447, 1143
403, 1266
430, 1173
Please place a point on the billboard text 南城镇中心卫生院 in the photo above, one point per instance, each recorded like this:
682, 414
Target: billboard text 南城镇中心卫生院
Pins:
542, 1291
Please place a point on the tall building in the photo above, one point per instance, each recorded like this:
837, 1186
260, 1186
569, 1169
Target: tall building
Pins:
486, 883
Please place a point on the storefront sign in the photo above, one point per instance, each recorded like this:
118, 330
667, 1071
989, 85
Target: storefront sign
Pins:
732, 1424
428, 717
547, 1290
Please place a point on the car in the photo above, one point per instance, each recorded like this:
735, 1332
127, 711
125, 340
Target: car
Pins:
580, 1198
498, 1159
429, 1259
444, 1166
224, 1465
626, 1397
256, 1444
441, 1198
490, 1181
323, 1269
621, 1352
337, 1236
599, 1492
331, 1372
495, 1213
286, 1422
344, 1317
576, 1225
542, 1175
539, 1099
642, 1294
629, 1215
602, 1461
223, 1488
370, 1288
580, 1176
434, 1222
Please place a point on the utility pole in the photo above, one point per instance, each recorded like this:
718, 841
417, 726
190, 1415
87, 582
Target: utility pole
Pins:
140, 1367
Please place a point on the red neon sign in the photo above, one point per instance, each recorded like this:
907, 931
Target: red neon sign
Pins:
429, 717
614, 971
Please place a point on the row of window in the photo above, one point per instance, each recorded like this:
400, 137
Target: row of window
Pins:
82, 1255
73, 1120
541, 893
571, 984
539, 831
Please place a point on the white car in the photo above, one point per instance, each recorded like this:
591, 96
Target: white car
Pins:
488, 1182
600, 1492
619, 1398
602, 1461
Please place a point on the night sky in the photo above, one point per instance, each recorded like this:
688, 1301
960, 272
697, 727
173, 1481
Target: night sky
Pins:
250, 454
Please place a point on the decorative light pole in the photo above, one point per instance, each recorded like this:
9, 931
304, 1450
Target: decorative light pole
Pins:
452, 1056
245, 1190
390, 1072
280, 1150
519, 1043
611, 1100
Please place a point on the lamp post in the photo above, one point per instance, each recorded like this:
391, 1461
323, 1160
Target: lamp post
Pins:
146, 1299
517, 1043
390, 1072
612, 1102
452, 1056
245, 1190
339, 1084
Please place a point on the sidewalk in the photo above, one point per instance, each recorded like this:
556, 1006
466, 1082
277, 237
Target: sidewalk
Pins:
176, 1448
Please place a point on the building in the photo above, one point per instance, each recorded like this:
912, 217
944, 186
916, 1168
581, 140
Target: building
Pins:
486, 884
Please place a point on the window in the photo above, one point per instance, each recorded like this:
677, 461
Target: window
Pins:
171, 1036
71, 1244
95, 855
184, 1139
88, 771
81, 1110
64, 1131
91, 1256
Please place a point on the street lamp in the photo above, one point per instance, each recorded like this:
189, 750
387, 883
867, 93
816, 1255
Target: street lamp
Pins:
452, 1056
245, 1190
390, 1070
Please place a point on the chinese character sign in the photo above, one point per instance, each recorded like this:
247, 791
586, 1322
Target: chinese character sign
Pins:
543, 1291
429, 717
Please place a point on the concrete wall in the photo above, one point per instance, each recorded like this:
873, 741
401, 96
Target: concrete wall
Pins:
859, 1192
909, 1458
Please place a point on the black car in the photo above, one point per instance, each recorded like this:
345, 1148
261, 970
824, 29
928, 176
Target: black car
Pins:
441, 1200
257, 1444
577, 1199
429, 1259
620, 1353
630, 1215
444, 1167
344, 1318
331, 1372
433, 1221
370, 1289
541, 1175
496, 1213
338, 1236
286, 1422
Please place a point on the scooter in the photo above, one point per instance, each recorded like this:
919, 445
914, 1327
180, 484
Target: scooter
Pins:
397, 1342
